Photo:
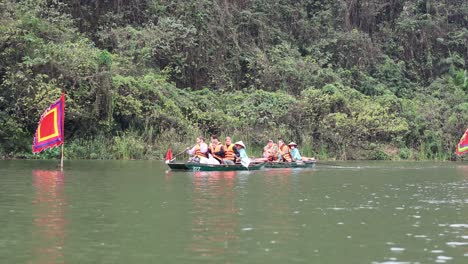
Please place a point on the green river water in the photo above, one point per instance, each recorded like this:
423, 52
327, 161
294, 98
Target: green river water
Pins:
141, 212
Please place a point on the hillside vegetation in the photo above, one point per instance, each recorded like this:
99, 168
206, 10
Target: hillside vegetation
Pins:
351, 79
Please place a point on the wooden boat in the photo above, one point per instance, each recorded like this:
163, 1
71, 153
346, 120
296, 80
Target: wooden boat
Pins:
295, 164
212, 167
194, 166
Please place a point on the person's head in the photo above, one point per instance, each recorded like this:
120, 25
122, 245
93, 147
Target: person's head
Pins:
214, 139
280, 142
292, 145
270, 143
228, 141
239, 144
200, 139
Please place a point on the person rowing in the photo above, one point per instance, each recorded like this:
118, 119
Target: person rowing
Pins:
295, 155
199, 151
241, 148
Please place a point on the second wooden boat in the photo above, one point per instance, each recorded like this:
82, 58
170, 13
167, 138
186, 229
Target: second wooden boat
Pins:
294, 164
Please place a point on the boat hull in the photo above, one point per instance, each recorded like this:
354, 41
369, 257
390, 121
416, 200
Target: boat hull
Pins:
193, 166
297, 164
178, 166
211, 167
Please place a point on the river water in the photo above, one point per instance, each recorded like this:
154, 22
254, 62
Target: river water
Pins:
141, 212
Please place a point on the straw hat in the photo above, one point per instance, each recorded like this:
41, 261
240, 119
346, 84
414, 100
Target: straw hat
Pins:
240, 143
292, 144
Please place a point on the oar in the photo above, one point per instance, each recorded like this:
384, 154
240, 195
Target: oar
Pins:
183, 151
331, 164
245, 162
319, 162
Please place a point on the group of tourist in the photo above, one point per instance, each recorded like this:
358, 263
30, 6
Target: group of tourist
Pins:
230, 153
281, 152
217, 152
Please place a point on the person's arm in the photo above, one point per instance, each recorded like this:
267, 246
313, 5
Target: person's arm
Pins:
220, 153
295, 154
299, 157
191, 151
204, 148
280, 151
275, 150
236, 152
243, 154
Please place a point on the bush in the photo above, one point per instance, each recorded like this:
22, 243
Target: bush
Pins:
405, 153
378, 154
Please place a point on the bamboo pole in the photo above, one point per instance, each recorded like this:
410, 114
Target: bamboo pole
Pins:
61, 159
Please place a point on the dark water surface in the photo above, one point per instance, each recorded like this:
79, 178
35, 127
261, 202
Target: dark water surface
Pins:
139, 212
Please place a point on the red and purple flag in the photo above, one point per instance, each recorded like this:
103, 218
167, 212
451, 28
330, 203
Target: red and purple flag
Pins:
49, 133
462, 146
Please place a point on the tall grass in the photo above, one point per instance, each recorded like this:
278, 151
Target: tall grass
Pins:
99, 147
129, 146
152, 145
125, 146
177, 142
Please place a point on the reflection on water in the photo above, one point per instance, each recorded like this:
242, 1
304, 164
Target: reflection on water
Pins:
276, 222
49, 216
227, 221
214, 215
463, 170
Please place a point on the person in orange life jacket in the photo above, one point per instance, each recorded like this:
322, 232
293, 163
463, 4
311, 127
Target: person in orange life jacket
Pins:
216, 149
270, 151
284, 152
230, 152
199, 151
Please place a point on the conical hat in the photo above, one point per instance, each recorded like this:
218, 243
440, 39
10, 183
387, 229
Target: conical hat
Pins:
292, 143
240, 143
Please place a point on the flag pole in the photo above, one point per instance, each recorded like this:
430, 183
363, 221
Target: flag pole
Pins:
61, 159
63, 130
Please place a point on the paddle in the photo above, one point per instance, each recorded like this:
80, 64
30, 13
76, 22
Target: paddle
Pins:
245, 162
331, 164
174, 157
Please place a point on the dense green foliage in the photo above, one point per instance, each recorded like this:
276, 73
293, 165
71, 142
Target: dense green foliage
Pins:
353, 79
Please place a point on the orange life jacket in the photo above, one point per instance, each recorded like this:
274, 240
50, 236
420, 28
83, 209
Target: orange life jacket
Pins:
273, 155
285, 154
229, 152
198, 152
216, 149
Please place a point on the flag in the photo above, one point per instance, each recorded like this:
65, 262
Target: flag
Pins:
462, 146
168, 156
49, 132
